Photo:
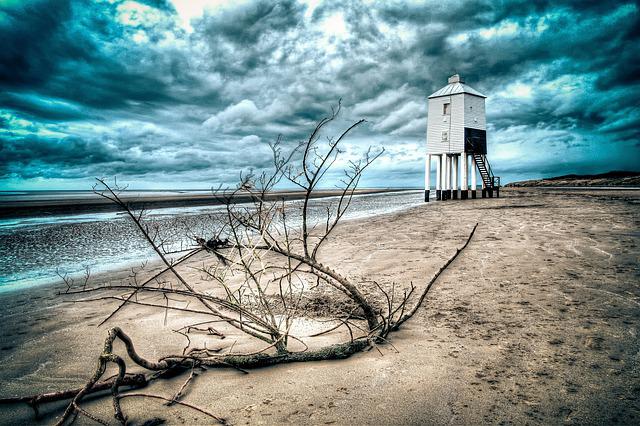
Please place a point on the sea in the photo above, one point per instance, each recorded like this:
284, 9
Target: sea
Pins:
37, 251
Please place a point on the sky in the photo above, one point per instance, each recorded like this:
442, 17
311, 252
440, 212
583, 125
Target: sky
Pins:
189, 93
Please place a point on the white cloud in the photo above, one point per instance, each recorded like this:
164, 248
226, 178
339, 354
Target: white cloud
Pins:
517, 90
417, 126
250, 140
311, 6
188, 10
140, 37
334, 25
243, 112
505, 28
244, 115
381, 103
136, 14
401, 116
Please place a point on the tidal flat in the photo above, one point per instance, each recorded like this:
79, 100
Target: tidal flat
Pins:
536, 322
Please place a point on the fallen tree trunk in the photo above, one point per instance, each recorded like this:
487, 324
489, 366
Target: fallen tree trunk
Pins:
332, 352
34, 401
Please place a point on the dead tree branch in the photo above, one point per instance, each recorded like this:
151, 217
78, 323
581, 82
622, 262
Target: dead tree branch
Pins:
261, 259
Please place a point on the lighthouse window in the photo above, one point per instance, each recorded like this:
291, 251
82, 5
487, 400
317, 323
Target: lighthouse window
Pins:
445, 136
446, 109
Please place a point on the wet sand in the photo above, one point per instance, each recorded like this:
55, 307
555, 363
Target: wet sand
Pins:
536, 322
42, 205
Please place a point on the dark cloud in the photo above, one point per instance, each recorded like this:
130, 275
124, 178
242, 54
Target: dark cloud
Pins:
35, 41
42, 108
23, 151
248, 23
92, 88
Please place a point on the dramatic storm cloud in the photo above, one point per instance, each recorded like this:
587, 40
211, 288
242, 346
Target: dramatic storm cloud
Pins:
189, 93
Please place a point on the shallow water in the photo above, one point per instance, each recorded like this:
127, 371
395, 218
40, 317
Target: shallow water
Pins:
33, 251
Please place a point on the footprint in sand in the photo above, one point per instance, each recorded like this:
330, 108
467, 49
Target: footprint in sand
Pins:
594, 342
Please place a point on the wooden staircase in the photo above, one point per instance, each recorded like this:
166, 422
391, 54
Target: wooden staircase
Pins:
490, 181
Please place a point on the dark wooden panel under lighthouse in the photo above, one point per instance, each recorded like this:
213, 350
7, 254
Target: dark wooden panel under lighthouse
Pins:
475, 140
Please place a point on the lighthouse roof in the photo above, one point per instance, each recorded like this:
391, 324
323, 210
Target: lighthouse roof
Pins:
456, 85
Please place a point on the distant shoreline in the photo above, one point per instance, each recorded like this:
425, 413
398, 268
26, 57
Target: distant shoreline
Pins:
614, 179
577, 188
93, 203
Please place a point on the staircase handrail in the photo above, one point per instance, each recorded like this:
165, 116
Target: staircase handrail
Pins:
488, 166
494, 180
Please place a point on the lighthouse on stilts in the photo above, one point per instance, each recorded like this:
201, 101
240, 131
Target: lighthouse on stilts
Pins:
457, 140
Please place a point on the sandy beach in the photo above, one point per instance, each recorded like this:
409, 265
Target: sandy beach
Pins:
536, 322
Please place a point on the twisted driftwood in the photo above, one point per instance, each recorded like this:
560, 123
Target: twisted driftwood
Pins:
332, 352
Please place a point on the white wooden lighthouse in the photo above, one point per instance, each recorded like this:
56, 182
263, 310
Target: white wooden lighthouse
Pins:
457, 139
